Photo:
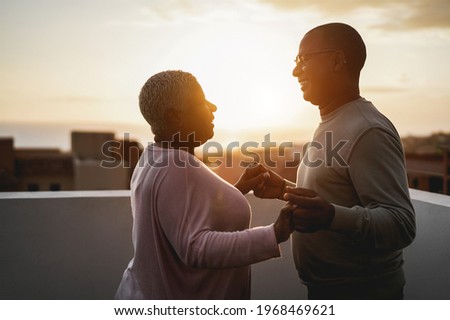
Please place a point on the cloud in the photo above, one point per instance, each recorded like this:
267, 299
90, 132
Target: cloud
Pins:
397, 14
428, 14
156, 12
323, 5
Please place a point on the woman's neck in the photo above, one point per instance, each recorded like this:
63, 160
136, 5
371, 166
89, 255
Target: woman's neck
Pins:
175, 144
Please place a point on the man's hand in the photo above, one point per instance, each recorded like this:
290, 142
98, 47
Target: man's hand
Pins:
253, 177
311, 213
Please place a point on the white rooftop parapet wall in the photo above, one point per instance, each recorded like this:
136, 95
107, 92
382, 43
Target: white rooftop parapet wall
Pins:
75, 245
63, 245
427, 259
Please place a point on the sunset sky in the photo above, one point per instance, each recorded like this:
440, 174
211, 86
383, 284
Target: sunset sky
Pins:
85, 61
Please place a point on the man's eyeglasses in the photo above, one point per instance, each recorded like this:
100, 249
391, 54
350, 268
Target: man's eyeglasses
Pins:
305, 57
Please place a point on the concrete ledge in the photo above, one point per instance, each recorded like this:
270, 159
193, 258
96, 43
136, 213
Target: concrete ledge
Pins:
65, 194
68, 245
76, 244
434, 199
427, 259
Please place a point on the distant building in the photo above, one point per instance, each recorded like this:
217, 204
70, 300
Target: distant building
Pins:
429, 172
44, 170
97, 162
129, 152
87, 145
34, 169
89, 152
102, 162
8, 181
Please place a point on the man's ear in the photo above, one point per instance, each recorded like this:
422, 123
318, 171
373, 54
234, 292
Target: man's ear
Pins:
339, 60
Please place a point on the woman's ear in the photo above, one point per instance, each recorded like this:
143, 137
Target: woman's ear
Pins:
173, 119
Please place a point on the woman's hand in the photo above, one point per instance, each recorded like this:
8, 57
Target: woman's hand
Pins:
253, 177
283, 226
273, 187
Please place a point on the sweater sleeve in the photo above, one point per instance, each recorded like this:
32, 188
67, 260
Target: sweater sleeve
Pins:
191, 214
384, 219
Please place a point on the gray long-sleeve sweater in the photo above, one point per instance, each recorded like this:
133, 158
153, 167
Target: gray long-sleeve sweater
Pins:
356, 162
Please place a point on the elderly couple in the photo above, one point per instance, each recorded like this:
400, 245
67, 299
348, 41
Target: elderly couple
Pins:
350, 222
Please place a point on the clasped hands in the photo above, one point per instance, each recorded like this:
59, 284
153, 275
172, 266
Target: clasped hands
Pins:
305, 210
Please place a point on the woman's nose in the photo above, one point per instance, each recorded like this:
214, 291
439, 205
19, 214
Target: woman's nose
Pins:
212, 107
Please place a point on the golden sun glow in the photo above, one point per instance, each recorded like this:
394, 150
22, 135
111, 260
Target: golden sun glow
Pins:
90, 70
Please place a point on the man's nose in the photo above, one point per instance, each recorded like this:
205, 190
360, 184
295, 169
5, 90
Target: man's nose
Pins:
297, 70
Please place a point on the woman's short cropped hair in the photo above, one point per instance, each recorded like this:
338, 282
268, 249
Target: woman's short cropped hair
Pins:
167, 90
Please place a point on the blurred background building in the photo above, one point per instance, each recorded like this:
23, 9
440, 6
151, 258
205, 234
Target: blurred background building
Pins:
97, 161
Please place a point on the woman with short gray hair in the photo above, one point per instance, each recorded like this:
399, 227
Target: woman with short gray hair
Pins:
191, 232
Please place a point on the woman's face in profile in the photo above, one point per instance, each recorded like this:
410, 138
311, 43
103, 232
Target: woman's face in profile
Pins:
198, 117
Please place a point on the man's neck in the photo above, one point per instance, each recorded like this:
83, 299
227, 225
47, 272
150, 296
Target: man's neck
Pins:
337, 103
